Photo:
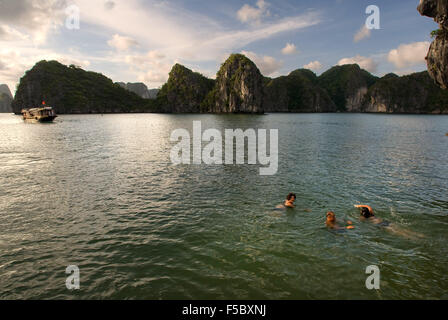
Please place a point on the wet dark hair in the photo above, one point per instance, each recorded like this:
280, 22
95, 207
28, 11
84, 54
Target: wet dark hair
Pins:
365, 212
290, 196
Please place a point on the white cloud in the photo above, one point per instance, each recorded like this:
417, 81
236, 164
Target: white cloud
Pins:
223, 41
109, 5
122, 43
151, 68
404, 72
8, 33
363, 33
364, 62
69, 61
154, 76
267, 65
154, 54
408, 55
314, 65
35, 17
248, 14
290, 48
12, 67
144, 59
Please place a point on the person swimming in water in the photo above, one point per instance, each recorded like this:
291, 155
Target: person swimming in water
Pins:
290, 199
331, 222
368, 214
289, 202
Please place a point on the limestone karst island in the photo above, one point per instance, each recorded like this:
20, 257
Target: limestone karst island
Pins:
239, 87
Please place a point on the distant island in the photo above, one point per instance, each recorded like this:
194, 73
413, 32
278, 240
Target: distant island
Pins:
239, 87
140, 89
5, 99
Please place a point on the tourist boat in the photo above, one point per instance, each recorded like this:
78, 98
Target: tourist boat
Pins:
41, 114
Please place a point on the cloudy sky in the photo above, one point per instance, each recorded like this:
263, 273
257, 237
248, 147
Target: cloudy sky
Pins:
140, 40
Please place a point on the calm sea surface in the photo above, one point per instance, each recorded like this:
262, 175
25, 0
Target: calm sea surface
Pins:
101, 193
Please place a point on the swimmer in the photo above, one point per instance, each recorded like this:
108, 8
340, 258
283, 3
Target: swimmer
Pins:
332, 224
290, 199
289, 202
368, 214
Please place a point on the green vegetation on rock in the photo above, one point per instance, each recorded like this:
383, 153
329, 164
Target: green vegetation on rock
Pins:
297, 92
345, 84
73, 90
238, 88
184, 92
415, 93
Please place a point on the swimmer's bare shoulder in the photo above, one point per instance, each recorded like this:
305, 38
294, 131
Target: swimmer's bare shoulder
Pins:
289, 204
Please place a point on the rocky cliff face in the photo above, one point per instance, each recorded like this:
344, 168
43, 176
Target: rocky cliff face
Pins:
347, 86
153, 93
350, 89
5, 103
5, 99
140, 89
73, 90
5, 90
391, 94
184, 92
238, 88
437, 58
297, 92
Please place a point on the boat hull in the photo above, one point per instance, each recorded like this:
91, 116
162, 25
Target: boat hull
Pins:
47, 119
40, 120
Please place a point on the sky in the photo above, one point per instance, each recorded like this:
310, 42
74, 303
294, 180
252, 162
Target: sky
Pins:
140, 40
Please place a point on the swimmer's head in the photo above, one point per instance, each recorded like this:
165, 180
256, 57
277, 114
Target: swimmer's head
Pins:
365, 212
331, 217
291, 196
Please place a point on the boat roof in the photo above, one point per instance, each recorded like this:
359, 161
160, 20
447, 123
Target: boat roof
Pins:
38, 109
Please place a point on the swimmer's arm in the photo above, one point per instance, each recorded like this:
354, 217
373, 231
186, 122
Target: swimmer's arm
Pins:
364, 206
350, 225
336, 227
